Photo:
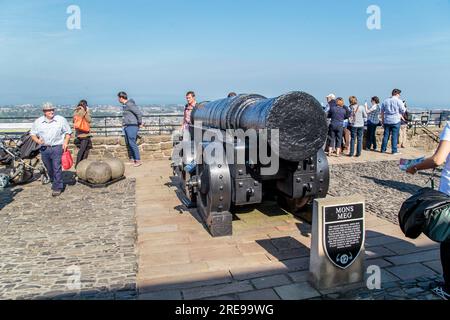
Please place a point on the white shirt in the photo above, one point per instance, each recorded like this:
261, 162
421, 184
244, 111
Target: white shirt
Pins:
52, 131
445, 177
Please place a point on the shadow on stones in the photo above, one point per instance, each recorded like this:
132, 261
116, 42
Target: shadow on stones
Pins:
7, 196
69, 178
289, 251
397, 185
304, 228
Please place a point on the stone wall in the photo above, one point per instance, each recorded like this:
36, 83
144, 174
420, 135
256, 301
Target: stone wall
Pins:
151, 147
421, 140
160, 147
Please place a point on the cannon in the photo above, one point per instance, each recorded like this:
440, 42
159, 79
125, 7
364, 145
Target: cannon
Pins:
291, 128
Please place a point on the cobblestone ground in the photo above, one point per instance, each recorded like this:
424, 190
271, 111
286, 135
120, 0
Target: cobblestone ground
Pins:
385, 188
418, 289
47, 243
383, 185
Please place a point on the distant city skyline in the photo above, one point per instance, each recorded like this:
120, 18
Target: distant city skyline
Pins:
156, 51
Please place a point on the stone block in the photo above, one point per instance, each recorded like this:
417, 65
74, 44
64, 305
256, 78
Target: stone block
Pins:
161, 295
425, 256
152, 139
324, 273
259, 295
297, 291
217, 290
166, 138
166, 146
271, 281
411, 271
151, 147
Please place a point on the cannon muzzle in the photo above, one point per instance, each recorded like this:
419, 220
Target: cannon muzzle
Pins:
297, 115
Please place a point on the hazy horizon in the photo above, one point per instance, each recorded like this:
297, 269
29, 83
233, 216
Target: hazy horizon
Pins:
157, 51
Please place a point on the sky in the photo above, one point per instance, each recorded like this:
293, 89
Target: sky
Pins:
158, 50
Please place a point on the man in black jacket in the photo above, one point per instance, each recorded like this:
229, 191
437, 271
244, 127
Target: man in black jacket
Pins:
132, 121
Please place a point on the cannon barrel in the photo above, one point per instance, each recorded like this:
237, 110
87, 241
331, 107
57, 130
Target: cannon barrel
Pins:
297, 115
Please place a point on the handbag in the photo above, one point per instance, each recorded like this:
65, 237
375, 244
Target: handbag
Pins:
81, 124
351, 119
67, 160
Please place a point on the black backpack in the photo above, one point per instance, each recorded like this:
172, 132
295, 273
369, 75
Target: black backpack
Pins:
416, 214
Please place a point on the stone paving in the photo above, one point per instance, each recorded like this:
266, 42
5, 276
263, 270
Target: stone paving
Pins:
48, 244
268, 255
112, 234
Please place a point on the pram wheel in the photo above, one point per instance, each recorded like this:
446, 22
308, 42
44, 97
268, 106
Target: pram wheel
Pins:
45, 179
21, 175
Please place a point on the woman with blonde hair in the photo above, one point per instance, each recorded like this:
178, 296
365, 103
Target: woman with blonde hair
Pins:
358, 117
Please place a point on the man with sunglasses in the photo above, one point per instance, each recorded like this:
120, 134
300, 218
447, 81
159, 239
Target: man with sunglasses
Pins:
52, 133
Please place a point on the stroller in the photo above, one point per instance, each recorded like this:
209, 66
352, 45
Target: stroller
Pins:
22, 159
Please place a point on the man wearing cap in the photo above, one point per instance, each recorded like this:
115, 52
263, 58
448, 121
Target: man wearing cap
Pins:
52, 133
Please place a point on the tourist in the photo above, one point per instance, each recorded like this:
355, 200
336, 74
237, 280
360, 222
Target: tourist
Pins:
373, 121
337, 114
190, 105
132, 121
52, 132
403, 128
82, 124
357, 119
392, 110
331, 101
441, 156
232, 95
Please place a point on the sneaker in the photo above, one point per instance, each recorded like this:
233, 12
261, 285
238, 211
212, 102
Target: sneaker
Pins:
440, 292
137, 164
130, 162
56, 193
396, 153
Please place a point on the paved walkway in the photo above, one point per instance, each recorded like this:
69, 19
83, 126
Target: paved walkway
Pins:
80, 245
268, 255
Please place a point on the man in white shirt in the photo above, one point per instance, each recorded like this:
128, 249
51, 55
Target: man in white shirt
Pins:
52, 133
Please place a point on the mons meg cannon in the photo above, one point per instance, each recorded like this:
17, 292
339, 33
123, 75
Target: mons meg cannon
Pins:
243, 149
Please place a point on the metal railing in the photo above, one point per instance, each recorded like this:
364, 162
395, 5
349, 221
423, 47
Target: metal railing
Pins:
429, 118
154, 124
160, 124
426, 120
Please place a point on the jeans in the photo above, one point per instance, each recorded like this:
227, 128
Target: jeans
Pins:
335, 132
84, 147
51, 156
390, 130
357, 134
371, 136
130, 140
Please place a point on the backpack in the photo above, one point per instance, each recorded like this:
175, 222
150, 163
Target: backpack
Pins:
427, 211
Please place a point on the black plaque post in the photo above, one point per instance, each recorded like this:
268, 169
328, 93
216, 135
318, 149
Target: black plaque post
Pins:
337, 244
